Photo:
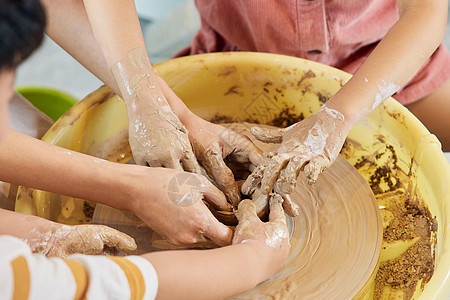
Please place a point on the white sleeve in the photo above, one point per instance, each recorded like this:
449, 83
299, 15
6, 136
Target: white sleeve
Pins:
31, 276
130, 277
34, 276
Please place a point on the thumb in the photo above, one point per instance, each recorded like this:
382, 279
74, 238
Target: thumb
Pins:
276, 214
268, 135
211, 159
219, 233
214, 196
114, 238
246, 210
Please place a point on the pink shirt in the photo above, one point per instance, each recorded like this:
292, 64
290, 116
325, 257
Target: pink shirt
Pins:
339, 33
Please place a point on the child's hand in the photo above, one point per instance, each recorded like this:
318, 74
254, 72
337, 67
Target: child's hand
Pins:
272, 237
62, 240
311, 146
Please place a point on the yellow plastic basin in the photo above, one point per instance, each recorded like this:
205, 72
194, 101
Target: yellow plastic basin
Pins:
256, 87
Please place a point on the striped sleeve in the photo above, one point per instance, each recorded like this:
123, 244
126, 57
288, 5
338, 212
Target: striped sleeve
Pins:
31, 276
129, 277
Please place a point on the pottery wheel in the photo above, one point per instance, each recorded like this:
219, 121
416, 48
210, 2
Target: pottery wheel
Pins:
335, 239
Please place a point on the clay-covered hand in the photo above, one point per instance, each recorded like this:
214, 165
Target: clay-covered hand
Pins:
272, 236
177, 210
63, 240
212, 144
156, 135
311, 145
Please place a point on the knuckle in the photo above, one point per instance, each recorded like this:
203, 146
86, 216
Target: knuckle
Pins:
202, 227
196, 223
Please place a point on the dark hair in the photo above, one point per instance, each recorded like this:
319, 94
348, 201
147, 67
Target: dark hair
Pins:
22, 25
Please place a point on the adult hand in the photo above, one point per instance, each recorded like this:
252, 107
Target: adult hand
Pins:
176, 208
212, 144
63, 240
156, 135
272, 237
311, 145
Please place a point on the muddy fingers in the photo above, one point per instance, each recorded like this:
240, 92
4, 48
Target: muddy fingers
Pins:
316, 166
273, 234
268, 135
276, 164
111, 237
276, 229
217, 232
290, 207
246, 210
214, 196
62, 240
190, 163
252, 182
211, 159
311, 145
288, 177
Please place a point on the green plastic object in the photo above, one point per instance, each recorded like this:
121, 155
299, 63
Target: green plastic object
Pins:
54, 103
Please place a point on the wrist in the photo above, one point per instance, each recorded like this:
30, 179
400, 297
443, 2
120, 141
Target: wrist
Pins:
134, 188
134, 74
23, 224
349, 118
129, 70
117, 185
357, 98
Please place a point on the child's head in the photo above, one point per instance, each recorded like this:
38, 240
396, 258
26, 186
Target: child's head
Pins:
22, 25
